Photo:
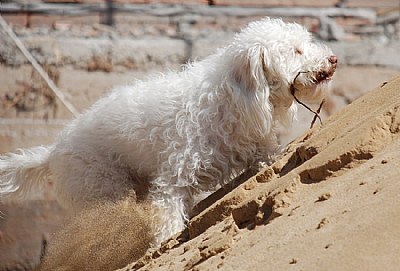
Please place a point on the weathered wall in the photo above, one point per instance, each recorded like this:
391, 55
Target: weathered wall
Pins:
159, 35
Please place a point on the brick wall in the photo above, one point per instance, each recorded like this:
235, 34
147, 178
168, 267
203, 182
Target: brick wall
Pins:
330, 19
260, 3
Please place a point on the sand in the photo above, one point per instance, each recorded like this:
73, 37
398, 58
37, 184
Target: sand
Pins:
330, 202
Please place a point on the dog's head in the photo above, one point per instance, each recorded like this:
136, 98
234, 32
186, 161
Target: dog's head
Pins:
276, 57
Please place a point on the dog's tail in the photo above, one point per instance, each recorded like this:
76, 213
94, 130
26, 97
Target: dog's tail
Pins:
23, 170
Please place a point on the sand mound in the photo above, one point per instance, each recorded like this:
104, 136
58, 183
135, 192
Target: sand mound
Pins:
331, 202
105, 237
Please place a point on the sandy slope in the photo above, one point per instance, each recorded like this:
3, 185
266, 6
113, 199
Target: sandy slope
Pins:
332, 202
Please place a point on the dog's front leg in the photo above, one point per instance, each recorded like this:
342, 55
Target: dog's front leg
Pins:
171, 211
266, 152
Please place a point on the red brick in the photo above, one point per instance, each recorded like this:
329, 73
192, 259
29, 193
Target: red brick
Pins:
97, 1
62, 1
373, 3
178, 1
311, 23
41, 20
50, 20
130, 1
349, 21
116, 1
138, 19
20, 19
25, 2
270, 3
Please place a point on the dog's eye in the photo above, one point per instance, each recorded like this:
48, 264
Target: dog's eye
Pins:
298, 51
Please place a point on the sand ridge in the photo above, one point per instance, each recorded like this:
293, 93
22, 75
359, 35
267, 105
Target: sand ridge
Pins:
329, 203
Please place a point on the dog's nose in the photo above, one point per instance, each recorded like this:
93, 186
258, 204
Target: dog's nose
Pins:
332, 59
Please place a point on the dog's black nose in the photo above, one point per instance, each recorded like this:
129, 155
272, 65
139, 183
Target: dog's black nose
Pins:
332, 59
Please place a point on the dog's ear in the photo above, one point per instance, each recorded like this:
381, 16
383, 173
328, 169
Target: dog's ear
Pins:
248, 82
249, 70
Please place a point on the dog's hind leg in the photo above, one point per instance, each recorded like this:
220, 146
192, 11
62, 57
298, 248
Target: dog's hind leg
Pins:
81, 180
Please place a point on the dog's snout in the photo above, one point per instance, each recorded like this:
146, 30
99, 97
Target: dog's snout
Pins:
333, 59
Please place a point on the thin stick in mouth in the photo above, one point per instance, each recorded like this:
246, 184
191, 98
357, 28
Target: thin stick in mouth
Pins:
316, 113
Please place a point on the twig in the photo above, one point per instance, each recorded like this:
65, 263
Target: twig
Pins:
318, 111
316, 114
39, 68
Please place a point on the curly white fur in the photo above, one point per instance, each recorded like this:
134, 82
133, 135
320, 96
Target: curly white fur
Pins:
179, 135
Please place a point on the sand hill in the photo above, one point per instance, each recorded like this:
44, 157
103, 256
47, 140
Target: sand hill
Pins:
331, 202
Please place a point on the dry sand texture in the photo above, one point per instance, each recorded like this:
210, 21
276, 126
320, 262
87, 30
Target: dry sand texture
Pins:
104, 237
331, 202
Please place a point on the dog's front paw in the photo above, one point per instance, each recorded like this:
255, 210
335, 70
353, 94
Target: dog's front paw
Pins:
262, 165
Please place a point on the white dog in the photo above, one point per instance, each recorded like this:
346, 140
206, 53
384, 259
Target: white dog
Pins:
173, 137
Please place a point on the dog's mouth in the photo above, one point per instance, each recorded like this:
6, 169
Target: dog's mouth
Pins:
325, 76
318, 78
